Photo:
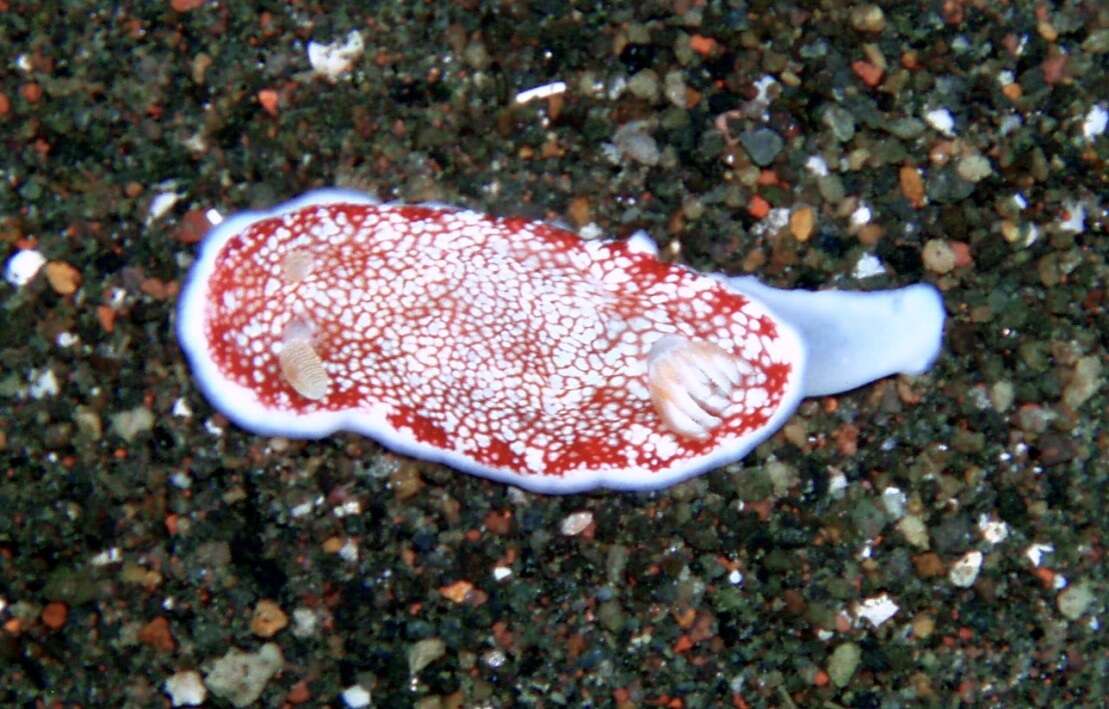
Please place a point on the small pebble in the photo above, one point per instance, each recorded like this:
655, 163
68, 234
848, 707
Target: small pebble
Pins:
914, 530
912, 185
843, 662
763, 145
1001, 396
457, 592
299, 693
305, 622
405, 482
129, 424
801, 221
675, 89
974, 168
938, 256
928, 565
868, 18
923, 626
644, 85
616, 561
268, 619
54, 615
1054, 449
63, 278
905, 128
1084, 382
870, 74
185, 5
1074, 600
831, 188
31, 92
1097, 42
476, 55
194, 224
1034, 419
579, 211
633, 142
423, 653
893, 500
241, 677
268, 99
782, 476
946, 186
841, 122
157, 634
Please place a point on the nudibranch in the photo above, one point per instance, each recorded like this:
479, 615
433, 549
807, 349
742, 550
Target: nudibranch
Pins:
514, 349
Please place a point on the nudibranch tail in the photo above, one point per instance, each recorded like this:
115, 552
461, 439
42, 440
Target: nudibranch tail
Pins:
854, 338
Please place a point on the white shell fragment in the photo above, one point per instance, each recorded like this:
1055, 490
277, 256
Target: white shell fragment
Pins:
877, 609
941, 120
22, 267
540, 92
185, 689
335, 59
1093, 125
160, 205
575, 523
964, 572
356, 696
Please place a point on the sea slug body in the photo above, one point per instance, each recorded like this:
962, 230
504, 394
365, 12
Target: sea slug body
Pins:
509, 348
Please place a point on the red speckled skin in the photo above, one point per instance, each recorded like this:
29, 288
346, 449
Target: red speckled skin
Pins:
512, 347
